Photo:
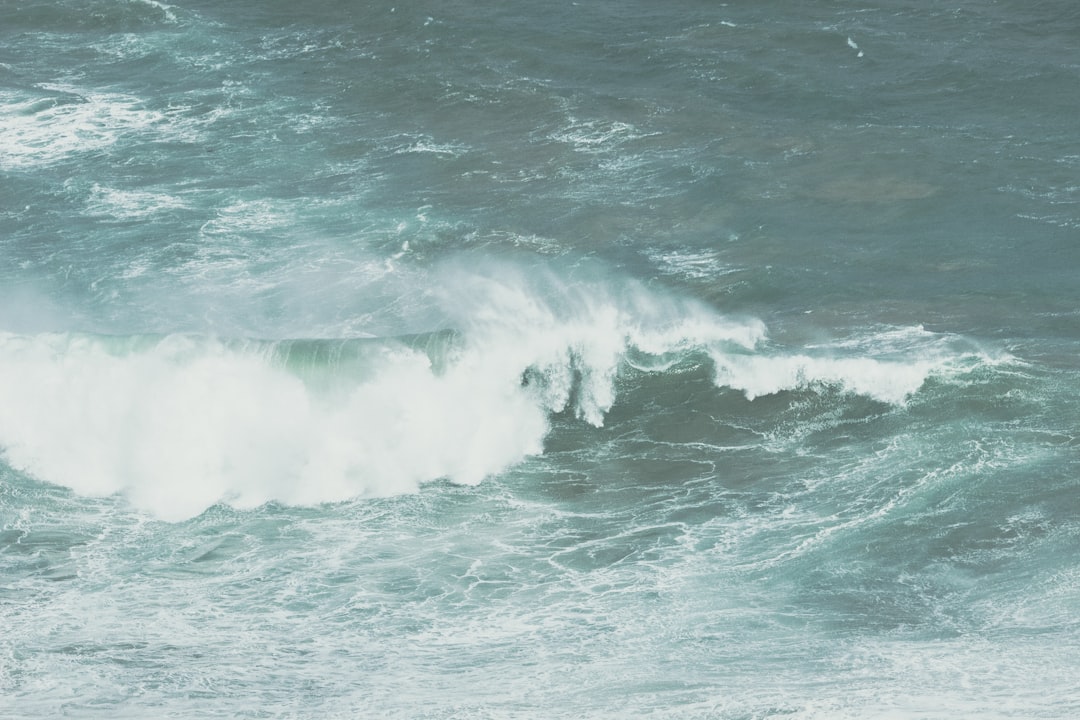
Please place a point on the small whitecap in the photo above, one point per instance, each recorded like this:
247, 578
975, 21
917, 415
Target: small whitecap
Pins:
166, 10
65, 121
131, 204
409, 144
693, 265
594, 135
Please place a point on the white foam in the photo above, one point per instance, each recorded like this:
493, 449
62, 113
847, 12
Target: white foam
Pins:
131, 204
595, 136
185, 423
166, 10
889, 364
695, 265
43, 130
890, 381
420, 144
245, 217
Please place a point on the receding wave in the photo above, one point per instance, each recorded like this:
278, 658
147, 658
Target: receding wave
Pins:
178, 423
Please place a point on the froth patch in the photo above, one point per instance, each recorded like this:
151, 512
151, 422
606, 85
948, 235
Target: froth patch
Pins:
131, 204
596, 136
705, 265
887, 364
51, 127
890, 381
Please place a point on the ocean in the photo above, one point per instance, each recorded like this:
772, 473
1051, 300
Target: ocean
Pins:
590, 359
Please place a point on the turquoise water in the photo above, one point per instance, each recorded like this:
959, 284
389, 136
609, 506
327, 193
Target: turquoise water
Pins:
539, 360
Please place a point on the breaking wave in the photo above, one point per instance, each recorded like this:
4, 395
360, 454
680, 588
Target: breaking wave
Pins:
178, 423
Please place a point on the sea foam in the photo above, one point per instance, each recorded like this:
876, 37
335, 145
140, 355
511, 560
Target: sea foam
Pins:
61, 121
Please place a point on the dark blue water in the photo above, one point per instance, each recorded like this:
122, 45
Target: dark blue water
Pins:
488, 360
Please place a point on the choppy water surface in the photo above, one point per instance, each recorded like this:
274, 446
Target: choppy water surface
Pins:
489, 360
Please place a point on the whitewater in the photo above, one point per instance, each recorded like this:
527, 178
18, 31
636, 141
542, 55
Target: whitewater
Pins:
533, 360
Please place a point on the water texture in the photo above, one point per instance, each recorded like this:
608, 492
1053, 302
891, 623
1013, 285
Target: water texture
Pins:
539, 360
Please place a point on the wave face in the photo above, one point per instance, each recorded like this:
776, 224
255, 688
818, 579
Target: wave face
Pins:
482, 361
